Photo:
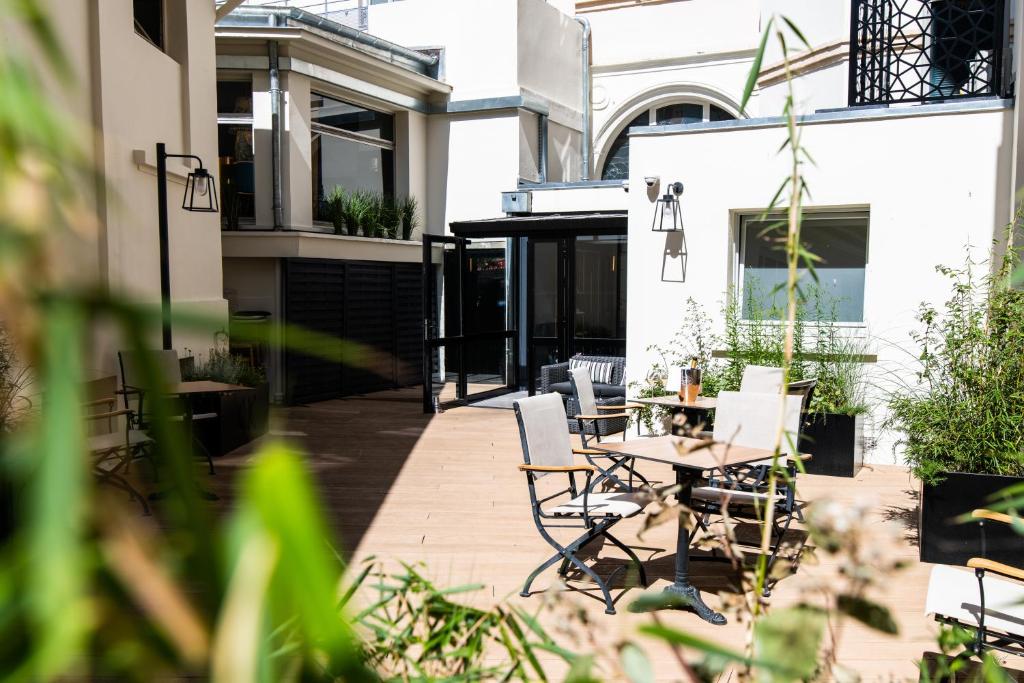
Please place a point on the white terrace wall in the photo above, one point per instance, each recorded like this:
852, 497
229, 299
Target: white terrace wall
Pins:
932, 184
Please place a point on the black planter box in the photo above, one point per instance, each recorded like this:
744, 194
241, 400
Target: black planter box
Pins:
241, 417
945, 541
836, 443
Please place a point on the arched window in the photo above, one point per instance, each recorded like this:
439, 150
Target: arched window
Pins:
616, 164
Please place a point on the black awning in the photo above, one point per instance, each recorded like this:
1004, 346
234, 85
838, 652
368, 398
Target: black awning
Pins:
553, 224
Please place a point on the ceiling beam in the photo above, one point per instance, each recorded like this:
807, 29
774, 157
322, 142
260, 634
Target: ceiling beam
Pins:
227, 8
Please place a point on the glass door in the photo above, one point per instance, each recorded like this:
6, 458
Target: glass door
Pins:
468, 347
546, 306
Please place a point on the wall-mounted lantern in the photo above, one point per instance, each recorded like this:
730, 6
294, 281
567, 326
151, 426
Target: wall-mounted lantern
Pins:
200, 191
667, 215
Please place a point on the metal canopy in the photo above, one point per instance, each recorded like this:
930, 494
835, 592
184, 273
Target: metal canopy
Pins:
536, 225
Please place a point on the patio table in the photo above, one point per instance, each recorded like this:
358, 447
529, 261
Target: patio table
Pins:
689, 468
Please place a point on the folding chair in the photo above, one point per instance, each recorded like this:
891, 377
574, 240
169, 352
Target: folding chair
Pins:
991, 607
111, 440
751, 419
169, 368
544, 433
591, 421
760, 379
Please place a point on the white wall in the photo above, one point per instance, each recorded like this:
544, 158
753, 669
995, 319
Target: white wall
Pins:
932, 184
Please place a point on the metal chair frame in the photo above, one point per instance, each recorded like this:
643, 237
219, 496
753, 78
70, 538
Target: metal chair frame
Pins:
596, 526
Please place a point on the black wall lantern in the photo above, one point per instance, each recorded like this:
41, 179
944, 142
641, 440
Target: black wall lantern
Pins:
200, 195
667, 215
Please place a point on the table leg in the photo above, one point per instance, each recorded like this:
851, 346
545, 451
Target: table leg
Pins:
682, 586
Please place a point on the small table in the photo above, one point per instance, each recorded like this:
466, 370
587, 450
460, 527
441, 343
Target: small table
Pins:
689, 468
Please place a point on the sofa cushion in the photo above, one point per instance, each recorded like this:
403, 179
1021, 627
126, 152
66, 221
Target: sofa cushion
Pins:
607, 390
564, 388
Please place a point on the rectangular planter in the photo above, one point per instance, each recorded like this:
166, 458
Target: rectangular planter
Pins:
836, 443
241, 417
945, 541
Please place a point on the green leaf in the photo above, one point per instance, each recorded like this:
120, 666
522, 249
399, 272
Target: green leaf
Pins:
755, 68
868, 613
655, 600
582, 671
681, 638
791, 635
635, 664
796, 31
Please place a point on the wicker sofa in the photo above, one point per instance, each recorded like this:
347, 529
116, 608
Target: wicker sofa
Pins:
555, 378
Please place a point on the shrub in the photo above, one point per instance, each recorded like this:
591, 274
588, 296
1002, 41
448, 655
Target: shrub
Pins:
967, 412
222, 366
371, 214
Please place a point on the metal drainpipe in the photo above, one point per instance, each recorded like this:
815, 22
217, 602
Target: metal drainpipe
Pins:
275, 135
585, 50
542, 148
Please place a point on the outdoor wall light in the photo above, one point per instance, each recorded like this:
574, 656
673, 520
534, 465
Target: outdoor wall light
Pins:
651, 180
200, 195
667, 215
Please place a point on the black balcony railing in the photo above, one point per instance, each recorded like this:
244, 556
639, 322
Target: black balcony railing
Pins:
926, 50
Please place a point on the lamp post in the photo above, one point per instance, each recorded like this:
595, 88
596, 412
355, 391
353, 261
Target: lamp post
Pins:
201, 196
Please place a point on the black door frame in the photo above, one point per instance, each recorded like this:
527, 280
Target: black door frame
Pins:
563, 339
458, 339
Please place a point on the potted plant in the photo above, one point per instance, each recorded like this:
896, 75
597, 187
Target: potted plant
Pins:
241, 415
962, 425
408, 208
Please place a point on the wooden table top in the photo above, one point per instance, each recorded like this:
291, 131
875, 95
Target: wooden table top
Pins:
203, 387
673, 401
673, 450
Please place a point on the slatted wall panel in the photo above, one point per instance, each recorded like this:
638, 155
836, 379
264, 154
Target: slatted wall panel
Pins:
377, 305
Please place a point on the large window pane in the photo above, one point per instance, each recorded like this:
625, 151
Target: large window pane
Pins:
685, 112
339, 162
342, 115
616, 166
600, 265
839, 240
234, 97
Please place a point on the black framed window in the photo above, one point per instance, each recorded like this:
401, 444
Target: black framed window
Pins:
149, 20
235, 151
616, 164
840, 240
352, 148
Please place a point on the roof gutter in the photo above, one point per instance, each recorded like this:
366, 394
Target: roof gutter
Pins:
279, 16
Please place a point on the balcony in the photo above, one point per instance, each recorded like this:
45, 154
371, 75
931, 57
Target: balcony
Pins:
918, 51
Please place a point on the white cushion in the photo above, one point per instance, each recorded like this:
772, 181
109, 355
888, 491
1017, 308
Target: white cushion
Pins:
715, 494
752, 419
760, 379
108, 442
602, 504
583, 388
953, 593
600, 371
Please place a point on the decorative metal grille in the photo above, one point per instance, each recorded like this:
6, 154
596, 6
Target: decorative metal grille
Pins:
921, 50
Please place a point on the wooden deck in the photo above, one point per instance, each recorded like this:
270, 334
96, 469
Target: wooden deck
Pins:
444, 490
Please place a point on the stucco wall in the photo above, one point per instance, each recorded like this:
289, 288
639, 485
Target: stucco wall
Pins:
932, 184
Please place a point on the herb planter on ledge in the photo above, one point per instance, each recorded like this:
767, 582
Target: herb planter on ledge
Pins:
944, 540
836, 442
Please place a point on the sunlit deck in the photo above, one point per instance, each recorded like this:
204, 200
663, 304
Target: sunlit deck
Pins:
444, 490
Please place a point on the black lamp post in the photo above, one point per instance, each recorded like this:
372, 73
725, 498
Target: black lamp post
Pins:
200, 195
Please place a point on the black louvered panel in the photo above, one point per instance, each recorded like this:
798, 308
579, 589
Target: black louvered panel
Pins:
409, 323
314, 291
370, 320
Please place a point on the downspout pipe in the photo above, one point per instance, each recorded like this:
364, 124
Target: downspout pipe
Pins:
587, 98
275, 134
542, 148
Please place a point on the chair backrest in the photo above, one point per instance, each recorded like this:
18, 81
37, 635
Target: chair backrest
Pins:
101, 395
543, 430
759, 379
583, 390
166, 361
804, 389
752, 419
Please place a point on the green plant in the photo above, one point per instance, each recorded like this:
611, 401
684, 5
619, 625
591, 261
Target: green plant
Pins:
371, 214
222, 366
967, 412
337, 211
15, 381
408, 212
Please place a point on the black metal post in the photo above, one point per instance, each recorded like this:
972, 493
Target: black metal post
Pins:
165, 266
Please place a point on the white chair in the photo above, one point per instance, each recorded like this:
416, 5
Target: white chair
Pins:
592, 421
111, 441
169, 367
760, 379
752, 420
991, 607
544, 434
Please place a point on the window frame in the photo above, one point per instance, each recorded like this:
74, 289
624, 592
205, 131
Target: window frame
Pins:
739, 245
161, 42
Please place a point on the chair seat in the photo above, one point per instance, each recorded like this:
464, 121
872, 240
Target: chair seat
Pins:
953, 593
716, 494
195, 417
603, 504
101, 443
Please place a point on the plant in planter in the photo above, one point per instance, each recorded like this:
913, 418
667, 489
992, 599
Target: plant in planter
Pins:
241, 415
963, 424
408, 209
